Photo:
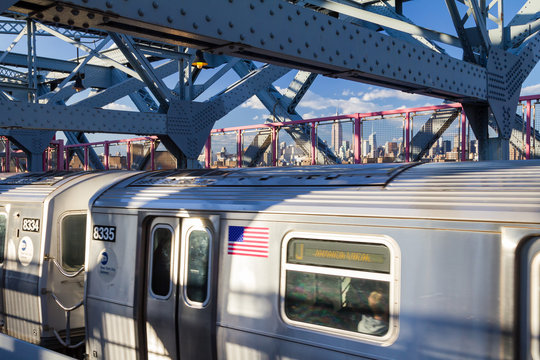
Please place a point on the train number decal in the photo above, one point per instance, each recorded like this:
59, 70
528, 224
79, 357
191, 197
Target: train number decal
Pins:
104, 233
30, 225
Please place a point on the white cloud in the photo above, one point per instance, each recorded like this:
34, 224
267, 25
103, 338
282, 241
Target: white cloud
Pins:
350, 105
253, 103
390, 94
117, 106
531, 90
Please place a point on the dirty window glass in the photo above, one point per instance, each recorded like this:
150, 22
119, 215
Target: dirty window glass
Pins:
161, 261
2, 236
73, 241
198, 262
324, 289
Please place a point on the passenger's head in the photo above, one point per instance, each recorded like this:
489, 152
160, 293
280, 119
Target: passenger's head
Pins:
378, 303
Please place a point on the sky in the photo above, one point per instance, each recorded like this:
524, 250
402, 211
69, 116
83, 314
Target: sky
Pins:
327, 96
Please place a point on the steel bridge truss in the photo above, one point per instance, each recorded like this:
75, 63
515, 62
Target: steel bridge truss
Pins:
140, 43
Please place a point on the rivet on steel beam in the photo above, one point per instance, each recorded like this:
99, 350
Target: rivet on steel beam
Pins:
75, 12
56, 18
207, 18
91, 15
155, 5
251, 6
108, 4
40, 15
195, 26
169, 19
140, 12
59, 8
71, 22
85, 25
182, 12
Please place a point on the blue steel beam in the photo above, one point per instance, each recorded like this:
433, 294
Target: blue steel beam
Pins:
322, 44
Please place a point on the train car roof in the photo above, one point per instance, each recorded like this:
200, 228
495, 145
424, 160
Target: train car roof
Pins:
32, 186
506, 191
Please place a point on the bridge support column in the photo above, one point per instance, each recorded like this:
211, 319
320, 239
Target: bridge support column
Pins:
33, 143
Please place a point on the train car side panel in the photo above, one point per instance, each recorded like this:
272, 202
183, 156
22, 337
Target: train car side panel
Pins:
110, 302
22, 271
433, 298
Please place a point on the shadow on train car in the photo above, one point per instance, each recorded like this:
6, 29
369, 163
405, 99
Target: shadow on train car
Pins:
386, 261
351, 262
42, 243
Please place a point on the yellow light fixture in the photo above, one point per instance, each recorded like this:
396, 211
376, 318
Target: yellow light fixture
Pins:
78, 85
199, 60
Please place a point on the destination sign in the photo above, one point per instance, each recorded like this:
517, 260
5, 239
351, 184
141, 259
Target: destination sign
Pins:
346, 255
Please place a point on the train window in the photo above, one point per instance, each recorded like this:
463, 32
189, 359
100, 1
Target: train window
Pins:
73, 235
535, 307
198, 266
162, 238
3, 220
339, 286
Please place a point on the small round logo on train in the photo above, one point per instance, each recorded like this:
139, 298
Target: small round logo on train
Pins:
26, 251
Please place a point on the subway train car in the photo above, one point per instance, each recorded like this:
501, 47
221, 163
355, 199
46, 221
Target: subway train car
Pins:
42, 243
382, 261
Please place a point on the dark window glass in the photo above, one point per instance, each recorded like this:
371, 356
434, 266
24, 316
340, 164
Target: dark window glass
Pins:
198, 260
2, 236
161, 261
316, 293
73, 241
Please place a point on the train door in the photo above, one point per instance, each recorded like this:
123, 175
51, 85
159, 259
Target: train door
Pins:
529, 304
180, 306
161, 294
3, 218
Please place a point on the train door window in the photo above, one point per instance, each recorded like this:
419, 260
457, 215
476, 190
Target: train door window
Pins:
535, 307
162, 240
3, 220
340, 286
73, 235
198, 255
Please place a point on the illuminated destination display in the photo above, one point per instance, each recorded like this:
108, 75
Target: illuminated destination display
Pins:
346, 255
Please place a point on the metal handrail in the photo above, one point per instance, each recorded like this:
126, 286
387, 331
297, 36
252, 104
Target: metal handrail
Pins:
67, 310
67, 342
62, 271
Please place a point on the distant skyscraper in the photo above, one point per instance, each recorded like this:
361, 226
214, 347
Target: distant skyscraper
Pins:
365, 148
337, 136
373, 144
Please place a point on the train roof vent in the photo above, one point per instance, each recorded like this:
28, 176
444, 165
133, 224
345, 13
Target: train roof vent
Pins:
339, 175
45, 178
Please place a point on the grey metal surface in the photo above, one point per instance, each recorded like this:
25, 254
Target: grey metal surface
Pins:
451, 223
15, 349
490, 191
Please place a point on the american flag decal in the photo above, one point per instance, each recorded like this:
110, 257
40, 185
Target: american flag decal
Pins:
248, 241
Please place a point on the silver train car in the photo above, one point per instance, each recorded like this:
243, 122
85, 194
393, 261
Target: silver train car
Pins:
42, 244
382, 261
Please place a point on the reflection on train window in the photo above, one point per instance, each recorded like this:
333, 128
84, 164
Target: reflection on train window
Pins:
3, 219
73, 235
338, 285
198, 261
161, 261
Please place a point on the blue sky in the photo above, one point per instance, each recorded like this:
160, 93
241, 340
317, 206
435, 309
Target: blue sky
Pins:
326, 96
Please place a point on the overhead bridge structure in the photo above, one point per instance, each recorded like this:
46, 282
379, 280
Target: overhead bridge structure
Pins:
140, 42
